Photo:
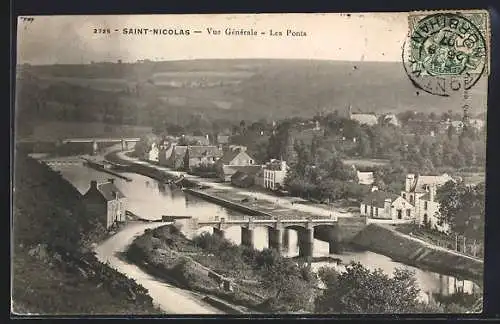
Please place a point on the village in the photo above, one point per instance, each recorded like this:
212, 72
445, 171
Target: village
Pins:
233, 164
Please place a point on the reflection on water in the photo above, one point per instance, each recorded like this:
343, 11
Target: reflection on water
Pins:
150, 199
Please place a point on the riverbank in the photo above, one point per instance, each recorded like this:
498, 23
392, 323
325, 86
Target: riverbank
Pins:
209, 265
54, 271
406, 249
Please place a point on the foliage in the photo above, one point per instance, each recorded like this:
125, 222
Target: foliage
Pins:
360, 290
49, 211
463, 207
143, 146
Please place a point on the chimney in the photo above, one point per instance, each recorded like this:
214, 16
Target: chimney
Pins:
432, 193
93, 184
111, 180
410, 178
283, 165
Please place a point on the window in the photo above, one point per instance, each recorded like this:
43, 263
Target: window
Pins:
366, 209
411, 199
404, 196
425, 205
376, 212
400, 214
251, 161
371, 211
408, 213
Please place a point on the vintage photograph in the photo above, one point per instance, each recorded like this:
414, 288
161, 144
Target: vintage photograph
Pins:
250, 164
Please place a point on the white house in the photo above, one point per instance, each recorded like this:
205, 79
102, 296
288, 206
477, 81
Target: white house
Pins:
386, 205
420, 191
274, 173
152, 153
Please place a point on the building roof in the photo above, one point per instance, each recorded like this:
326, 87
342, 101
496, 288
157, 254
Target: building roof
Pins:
421, 183
368, 119
365, 177
203, 151
242, 178
107, 191
229, 156
377, 198
246, 169
178, 153
203, 140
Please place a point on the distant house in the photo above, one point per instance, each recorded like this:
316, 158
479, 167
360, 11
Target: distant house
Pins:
106, 202
175, 159
200, 140
223, 139
274, 173
233, 159
164, 153
245, 176
420, 191
363, 119
201, 156
152, 153
365, 178
386, 205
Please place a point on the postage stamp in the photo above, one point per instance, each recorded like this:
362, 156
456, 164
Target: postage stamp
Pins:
446, 51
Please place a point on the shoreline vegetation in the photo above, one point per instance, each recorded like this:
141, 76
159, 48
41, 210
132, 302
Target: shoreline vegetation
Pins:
54, 269
266, 282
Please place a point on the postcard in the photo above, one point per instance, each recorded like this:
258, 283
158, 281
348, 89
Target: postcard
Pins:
250, 163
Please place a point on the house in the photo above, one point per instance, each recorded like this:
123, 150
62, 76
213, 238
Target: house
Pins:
200, 140
152, 153
363, 119
176, 158
223, 139
365, 178
106, 202
197, 156
386, 205
245, 176
234, 158
420, 191
165, 152
274, 173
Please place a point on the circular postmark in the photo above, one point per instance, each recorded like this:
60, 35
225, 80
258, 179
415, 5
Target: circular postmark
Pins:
444, 53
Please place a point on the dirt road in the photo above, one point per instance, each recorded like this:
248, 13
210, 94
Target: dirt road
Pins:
170, 299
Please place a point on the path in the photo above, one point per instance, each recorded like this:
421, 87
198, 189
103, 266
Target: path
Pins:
170, 299
285, 202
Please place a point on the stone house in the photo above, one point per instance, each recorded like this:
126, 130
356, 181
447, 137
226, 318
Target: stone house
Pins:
197, 156
386, 205
232, 160
420, 191
106, 201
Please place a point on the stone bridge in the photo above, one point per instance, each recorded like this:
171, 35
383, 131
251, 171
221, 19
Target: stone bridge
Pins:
124, 141
278, 231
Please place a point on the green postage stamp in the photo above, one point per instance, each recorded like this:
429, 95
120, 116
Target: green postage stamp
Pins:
447, 51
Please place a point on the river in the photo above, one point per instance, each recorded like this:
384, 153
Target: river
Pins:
148, 199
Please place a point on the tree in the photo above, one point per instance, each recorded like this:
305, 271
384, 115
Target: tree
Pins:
463, 207
144, 144
290, 285
360, 290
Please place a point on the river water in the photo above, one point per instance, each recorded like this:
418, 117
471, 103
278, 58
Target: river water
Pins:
151, 200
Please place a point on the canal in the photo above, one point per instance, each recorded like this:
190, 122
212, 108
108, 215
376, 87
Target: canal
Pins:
151, 200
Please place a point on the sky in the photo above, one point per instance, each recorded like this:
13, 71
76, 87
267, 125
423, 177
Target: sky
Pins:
71, 39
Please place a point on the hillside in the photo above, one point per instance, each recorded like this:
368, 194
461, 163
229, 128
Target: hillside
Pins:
141, 93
